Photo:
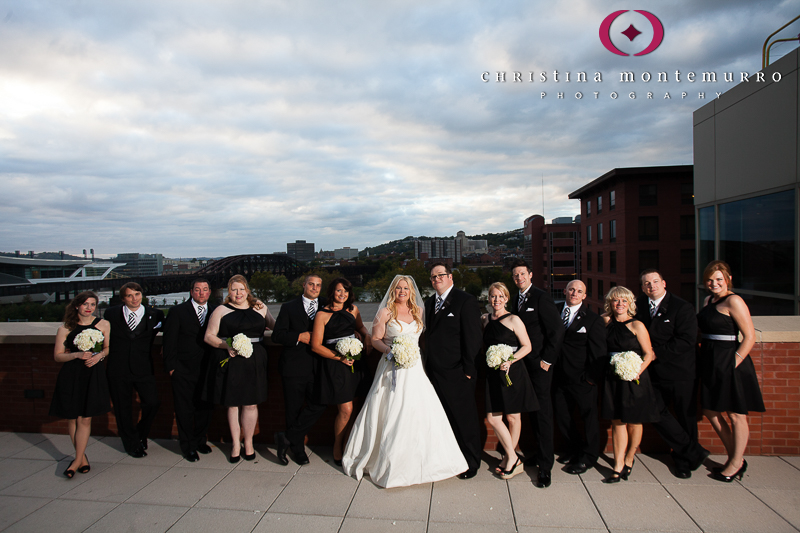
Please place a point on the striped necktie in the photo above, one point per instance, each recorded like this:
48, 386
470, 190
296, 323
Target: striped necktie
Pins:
312, 309
652, 309
201, 314
131, 320
565, 317
439, 302
521, 303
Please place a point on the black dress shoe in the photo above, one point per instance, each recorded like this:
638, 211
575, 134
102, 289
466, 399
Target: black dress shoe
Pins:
138, 453
282, 445
576, 468
337, 462
682, 473
468, 474
204, 449
543, 479
144, 444
301, 458
192, 457
566, 459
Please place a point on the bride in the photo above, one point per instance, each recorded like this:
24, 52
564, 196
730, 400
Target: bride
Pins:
402, 436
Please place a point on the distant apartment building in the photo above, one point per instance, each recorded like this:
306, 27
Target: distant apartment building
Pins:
140, 264
182, 266
438, 250
633, 219
554, 252
345, 253
300, 251
470, 246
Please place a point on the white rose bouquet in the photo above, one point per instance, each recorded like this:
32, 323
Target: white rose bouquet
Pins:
627, 365
351, 349
242, 344
497, 354
405, 351
89, 340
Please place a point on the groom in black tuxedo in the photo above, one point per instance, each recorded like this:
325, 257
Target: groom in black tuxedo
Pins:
545, 329
130, 366
298, 367
186, 359
453, 341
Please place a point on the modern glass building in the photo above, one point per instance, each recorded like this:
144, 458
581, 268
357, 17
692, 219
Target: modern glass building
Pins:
747, 187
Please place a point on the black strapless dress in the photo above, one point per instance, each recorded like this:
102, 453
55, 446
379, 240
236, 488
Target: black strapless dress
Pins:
80, 390
520, 396
242, 381
625, 400
336, 384
724, 386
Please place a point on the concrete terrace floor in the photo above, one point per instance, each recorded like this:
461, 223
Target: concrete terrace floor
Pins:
162, 492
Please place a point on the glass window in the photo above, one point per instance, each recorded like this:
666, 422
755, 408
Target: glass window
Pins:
588, 208
648, 194
648, 228
687, 261
687, 193
600, 233
559, 264
687, 227
563, 249
612, 200
612, 231
589, 261
707, 236
648, 259
589, 287
687, 292
612, 262
588, 235
599, 261
757, 241
563, 235
765, 306
599, 204
600, 292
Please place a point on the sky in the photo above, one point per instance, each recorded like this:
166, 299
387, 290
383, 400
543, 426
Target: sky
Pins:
218, 128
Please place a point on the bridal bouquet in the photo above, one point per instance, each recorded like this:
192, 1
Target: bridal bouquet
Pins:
626, 365
241, 343
89, 340
497, 354
350, 348
405, 351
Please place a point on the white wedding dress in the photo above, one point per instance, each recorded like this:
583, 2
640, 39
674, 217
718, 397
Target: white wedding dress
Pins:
402, 437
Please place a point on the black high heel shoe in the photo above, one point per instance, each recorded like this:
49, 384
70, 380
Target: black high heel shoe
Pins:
516, 469
85, 468
717, 475
613, 478
69, 473
626, 471
250, 457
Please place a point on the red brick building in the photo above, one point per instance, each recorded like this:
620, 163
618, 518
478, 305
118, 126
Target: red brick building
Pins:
554, 253
633, 219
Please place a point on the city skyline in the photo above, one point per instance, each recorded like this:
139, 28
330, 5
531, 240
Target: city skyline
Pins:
234, 127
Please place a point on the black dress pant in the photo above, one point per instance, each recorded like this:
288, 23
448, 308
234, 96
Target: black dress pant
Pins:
679, 431
298, 391
192, 414
542, 420
457, 394
570, 398
121, 389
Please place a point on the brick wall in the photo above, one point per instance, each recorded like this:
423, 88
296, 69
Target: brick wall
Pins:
30, 366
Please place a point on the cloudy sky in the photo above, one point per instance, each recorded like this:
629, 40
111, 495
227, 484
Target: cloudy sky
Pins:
224, 127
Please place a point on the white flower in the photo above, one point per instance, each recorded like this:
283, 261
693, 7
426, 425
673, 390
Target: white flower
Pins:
497, 354
349, 347
405, 351
241, 343
626, 365
87, 339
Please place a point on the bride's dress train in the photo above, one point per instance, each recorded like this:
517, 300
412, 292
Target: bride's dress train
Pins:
402, 437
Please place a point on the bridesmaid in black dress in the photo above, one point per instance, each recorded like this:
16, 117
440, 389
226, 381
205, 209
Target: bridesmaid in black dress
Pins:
81, 387
626, 403
241, 383
502, 327
727, 374
338, 382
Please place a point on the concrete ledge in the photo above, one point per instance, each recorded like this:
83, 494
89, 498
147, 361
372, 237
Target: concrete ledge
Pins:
776, 328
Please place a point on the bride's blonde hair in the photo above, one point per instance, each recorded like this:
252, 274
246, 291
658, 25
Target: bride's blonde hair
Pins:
416, 312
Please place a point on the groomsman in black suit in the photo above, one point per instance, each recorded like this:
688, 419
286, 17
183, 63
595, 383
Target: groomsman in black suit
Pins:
576, 379
130, 367
186, 359
540, 316
298, 367
672, 325
453, 341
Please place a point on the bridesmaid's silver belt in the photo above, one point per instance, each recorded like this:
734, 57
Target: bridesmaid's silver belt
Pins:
514, 348
720, 337
251, 339
334, 341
